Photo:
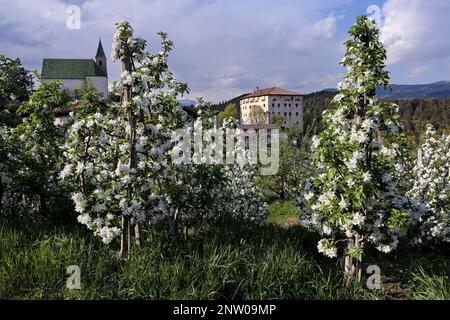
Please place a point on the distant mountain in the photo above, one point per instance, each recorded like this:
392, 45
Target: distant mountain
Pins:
330, 90
436, 90
187, 102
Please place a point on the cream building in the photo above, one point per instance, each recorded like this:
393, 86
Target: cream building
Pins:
264, 105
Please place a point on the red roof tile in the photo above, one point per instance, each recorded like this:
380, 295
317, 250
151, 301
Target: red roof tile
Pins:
273, 91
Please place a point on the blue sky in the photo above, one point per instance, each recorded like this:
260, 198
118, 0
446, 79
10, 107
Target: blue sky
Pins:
226, 47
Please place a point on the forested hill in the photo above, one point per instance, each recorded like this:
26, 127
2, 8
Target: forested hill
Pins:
416, 113
438, 90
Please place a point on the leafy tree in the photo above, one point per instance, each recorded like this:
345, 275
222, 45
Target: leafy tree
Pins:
34, 153
295, 165
278, 120
84, 88
258, 116
354, 198
230, 111
16, 85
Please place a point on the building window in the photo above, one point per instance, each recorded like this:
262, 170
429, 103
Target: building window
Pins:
296, 114
285, 104
278, 105
289, 105
296, 105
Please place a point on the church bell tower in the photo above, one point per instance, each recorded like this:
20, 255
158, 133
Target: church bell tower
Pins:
100, 58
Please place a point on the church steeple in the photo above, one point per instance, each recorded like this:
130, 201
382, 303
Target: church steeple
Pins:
100, 57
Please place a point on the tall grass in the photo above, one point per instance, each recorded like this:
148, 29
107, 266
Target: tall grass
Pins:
426, 286
263, 263
232, 261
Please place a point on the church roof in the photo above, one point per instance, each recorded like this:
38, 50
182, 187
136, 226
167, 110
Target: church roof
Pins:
70, 69
100, 52
275, 91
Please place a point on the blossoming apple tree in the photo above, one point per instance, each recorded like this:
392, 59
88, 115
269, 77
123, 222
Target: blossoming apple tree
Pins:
354, 199
119, 158
431, 189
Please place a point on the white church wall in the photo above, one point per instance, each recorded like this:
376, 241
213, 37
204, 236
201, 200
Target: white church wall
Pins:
101, 84
69, 84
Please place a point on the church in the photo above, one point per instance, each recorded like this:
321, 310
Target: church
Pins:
75, 73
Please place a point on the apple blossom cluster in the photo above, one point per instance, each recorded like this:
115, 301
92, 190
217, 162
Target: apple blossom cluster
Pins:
210, 189
354, 194
431, 189
245, 198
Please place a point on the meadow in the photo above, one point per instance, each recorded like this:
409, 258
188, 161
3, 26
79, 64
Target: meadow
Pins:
271, 260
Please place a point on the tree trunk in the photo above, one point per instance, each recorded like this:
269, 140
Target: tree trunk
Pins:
352, 265
125, 243
125, 238
137, 234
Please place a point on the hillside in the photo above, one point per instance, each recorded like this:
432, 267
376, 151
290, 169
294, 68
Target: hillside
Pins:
437, 90
415, 113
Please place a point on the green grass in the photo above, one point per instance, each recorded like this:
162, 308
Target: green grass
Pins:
268, 263
283, 212
235, 261
426, 286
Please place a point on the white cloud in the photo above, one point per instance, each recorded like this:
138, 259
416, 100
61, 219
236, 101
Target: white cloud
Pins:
221, 47
416, 30
417, 71
312, 36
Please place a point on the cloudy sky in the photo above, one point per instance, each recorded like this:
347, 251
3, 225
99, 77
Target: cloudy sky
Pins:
224, 48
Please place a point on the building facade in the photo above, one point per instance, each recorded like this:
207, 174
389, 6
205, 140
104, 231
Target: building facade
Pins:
270, 106
78, 73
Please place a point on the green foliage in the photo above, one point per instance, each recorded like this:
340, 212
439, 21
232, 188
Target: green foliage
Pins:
283, 212
16, 85
294, 165
426, 286
278, 120
84, 88
230, 111
34, 155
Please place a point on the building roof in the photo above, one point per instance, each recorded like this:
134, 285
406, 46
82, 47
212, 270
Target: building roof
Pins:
273, 91
100, 52
70, 69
